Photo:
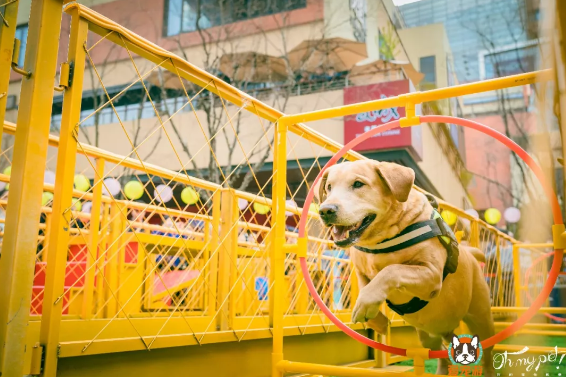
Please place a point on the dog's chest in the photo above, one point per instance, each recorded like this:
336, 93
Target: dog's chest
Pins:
369, 265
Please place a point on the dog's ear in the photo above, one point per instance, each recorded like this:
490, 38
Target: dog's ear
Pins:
399, 179
455, 341
475, 341
320, 188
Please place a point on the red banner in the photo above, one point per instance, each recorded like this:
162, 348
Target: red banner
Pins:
399, 138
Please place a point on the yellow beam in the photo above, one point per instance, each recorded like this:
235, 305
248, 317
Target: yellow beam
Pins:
181, 339
542, 332
514, 309
420, 97
534, 325
26, 185
62, 217
333, 370
535, 245
7, 36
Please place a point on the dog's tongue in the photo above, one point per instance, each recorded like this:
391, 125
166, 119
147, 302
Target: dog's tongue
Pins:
341, 232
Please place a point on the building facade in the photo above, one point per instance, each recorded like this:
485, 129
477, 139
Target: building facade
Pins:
490, 39
208, 36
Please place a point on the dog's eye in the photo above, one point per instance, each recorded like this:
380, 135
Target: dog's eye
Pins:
329, 188
358, 184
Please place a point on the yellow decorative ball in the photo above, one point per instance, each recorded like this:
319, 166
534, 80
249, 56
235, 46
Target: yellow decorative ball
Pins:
449, 217
314, 208
189, 195
46, 197
262, 209
77, 205
8, 170
492, 216
133, 190
81, 183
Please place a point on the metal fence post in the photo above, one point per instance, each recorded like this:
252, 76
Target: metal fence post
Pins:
26, 186
517, 275
7, 37
94, 238
278, 242
62, 201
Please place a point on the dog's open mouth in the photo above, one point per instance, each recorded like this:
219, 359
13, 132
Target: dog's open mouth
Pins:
345, 236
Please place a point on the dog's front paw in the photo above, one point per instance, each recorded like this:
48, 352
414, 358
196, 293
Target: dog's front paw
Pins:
367, 305
379, 323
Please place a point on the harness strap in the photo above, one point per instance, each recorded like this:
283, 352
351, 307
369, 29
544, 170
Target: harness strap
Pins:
412, 235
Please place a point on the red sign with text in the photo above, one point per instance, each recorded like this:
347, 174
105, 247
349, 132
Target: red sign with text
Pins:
400, 138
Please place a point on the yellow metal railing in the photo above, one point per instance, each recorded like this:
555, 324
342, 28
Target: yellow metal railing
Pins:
142, 248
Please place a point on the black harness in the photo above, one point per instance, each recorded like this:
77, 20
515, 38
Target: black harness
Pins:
412, 235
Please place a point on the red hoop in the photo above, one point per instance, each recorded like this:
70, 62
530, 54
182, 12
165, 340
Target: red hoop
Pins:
557, 216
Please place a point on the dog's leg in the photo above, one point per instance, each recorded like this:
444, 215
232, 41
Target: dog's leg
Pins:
434, 343
423, 281
480, 321
380, 322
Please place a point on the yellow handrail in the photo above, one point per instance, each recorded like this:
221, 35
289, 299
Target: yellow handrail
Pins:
420, 97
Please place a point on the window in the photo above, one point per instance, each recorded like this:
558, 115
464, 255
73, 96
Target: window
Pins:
428, 67
181, 15
22, 35
510, 62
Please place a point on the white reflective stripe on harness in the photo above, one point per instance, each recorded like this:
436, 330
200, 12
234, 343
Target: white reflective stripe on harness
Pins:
400, 239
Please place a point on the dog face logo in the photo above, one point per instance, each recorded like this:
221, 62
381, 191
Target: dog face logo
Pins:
465, 349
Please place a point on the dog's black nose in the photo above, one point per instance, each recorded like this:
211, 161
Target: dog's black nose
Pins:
328, 212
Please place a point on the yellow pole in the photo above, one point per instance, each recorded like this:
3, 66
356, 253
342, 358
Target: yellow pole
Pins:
104, 226
500, 285
231, 247
301, 290
277, 244
48, 217
7, 36
545, 276
26, 185
227, 237
62, 200
213, 247
475, 234
94, 237
115, 242
517, 275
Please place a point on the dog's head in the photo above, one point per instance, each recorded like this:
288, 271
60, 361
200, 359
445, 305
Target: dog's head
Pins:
465, 353
356, 196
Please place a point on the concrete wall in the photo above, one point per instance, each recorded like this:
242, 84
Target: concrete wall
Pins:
428, 40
